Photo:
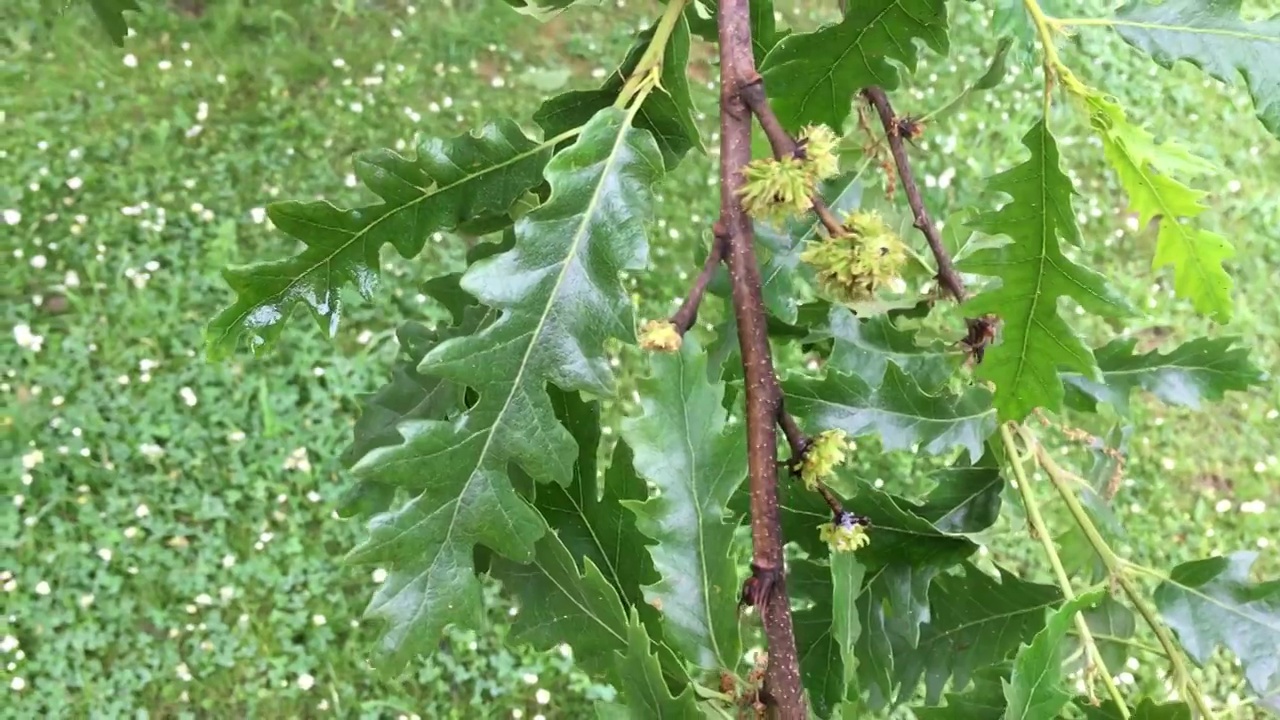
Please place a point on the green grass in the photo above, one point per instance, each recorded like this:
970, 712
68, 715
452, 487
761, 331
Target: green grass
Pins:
171, 552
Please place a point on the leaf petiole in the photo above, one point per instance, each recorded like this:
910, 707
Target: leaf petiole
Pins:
1041, 532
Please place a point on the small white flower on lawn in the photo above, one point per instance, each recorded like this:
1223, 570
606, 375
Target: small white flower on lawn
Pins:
1222, 506
226, 592
42, 588
306, 682
379, 575
529, 678
151, 451
18, 684
1253, 507
27, 339
141, 511
542, 696
75, 183
32, 459
313, 496
130, 60
204, 599
39, 261
259, 215
297, 460
12, 217
105, 554
1167, 463
236, 436
318, 620
188, 396
184, 672
228, 561
8, 644
86, 600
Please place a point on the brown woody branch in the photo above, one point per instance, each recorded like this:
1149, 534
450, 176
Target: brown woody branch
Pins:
684, 318
784, 145
947, 275
766, 588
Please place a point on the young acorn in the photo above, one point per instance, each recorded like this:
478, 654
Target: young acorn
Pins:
850, 267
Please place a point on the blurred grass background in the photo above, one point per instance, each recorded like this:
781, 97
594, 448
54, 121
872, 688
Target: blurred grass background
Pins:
168, 546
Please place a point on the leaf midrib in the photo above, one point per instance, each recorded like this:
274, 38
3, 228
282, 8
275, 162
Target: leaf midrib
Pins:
357, 235
579, 234
1193, 30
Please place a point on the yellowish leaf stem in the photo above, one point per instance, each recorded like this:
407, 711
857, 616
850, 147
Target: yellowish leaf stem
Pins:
1117, 569
1041, 532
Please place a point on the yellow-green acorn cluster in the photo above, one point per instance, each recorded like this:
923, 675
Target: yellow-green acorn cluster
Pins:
823, 455
850, 267
844, 537
779, 189
660, 336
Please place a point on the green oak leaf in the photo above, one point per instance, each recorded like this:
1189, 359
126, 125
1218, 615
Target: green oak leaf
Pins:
1147, 709
846, 584
449, 182
1035, 340
1196, 371
541, 9
667, 112
1213, 602
1035, 690
813, 77
1211, 35
818, 641
975, 620
111, 15
1148, 173
642, 685
687, 452
983, 700
828, 629
865, 347
592, 527
561, 299
410, 395
1112, 623
563, 600
911, 543
903, 415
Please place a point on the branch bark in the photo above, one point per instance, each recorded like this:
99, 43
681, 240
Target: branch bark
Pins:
767, 585
947, 275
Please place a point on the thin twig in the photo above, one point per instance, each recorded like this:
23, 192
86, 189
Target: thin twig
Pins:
684, 318
796, 438
784, 145
947, 275
767, 585
833, 502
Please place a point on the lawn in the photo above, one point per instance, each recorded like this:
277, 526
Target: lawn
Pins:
172, 548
